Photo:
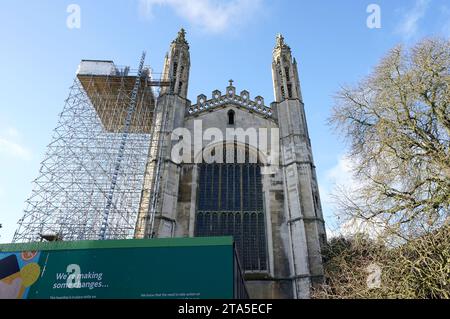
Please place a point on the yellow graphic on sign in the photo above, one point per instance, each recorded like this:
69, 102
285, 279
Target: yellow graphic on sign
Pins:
30, 273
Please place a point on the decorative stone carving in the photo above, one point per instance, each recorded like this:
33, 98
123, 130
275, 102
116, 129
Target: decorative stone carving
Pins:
201, 99
245, 95
231, 90
242, 101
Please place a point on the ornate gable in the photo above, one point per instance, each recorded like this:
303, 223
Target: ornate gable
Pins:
218, 99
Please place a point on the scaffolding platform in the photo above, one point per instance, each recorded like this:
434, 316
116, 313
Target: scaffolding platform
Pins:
109, 87
95, 164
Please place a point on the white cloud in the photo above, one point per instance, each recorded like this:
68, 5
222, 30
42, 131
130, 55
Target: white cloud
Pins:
331, 232
10, 146
356, 225
341, 176
409, 25
12, 132
337, 176
208, 15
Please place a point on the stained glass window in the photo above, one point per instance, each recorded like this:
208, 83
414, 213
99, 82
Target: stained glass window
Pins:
230, 203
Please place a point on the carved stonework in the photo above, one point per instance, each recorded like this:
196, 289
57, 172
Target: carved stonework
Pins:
230, 97
181, 38
282, 207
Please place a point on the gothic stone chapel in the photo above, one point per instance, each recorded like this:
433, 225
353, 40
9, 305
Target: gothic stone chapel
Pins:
275, 217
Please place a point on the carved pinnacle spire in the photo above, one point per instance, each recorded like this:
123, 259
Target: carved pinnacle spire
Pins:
181, 37
280, 42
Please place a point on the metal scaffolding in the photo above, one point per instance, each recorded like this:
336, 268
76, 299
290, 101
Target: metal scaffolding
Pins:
81, 192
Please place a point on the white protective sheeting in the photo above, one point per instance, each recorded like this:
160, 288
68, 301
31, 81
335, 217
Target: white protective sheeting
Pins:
92, 67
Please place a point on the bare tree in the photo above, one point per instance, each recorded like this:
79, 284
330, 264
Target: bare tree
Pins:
397, 123
418, 269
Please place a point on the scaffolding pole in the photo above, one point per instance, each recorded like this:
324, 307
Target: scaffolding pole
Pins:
126, 130
90, 181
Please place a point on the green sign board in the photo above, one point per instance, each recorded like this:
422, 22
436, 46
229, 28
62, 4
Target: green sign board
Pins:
182, 268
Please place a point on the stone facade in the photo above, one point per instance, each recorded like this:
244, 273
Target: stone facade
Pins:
294, 225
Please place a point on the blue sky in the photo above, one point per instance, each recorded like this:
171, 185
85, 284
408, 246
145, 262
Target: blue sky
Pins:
228, 39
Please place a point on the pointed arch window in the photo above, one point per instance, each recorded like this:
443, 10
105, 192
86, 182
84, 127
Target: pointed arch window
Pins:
230, 203
175, 69
289, 86
231, 116
286, 71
